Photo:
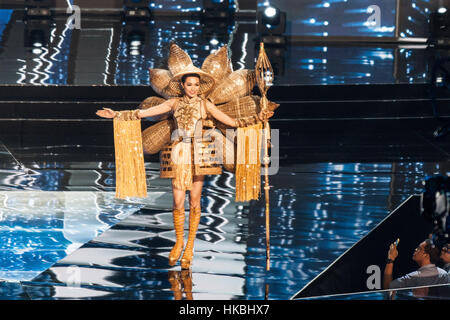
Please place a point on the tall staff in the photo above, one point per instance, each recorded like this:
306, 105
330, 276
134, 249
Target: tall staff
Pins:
264, 79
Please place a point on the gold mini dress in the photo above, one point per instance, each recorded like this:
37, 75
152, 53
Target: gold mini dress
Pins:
192, 151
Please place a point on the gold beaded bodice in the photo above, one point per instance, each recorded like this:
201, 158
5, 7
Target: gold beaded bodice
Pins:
186, 115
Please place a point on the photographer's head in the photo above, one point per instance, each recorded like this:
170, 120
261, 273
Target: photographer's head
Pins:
426, 253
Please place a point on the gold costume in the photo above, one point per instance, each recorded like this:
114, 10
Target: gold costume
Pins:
186, 146
192, 142
192, 151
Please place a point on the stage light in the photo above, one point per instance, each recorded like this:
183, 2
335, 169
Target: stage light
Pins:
442, 10
135, 40
270, 12
37, 34
38, 21
135, 52
38, 8
272, 26
136, 9
211, 35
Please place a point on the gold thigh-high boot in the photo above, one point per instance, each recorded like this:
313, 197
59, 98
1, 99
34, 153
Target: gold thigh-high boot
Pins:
194, 220
178, 223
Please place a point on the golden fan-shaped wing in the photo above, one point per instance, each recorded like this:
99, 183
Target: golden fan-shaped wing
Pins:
241, 108
156, 136
245, 106
178, 60
217, 64
159, 81
151, 102
238, 84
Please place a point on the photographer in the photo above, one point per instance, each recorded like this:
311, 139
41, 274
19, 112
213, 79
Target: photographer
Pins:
425, 255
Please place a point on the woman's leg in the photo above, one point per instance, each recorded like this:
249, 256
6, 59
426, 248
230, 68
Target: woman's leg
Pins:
179, 197
195, 194
178, 223
194, 220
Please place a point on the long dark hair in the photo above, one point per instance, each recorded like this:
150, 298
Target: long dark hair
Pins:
187, 75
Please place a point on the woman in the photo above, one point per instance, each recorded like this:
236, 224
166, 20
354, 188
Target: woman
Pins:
187, 111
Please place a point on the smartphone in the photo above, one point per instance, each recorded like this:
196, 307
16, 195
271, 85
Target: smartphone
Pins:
397, 241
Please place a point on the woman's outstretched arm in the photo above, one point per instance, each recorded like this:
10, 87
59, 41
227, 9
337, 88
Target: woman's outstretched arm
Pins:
162, 108
220, 115
226, 119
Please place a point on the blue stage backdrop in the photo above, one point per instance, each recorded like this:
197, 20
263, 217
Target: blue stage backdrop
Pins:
182, 5
5, 16
364, 18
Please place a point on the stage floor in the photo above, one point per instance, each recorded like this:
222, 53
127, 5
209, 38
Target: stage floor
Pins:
327, 195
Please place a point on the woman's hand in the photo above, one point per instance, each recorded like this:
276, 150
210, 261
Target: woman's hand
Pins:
106, 113
265, 114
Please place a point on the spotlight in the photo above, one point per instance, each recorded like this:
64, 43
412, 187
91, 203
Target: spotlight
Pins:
135, 34
212, 37
38, 8
37, 34
217, 9
135, 41
270, 12
439, 25
272, 26
136, 9
214, 41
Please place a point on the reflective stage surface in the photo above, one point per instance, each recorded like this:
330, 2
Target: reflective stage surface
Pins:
39, 228
318, 211
64, 235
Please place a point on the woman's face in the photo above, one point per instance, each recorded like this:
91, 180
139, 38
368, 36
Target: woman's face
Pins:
191, 86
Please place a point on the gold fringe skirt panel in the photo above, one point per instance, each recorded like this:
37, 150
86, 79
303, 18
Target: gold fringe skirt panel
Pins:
129, 159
